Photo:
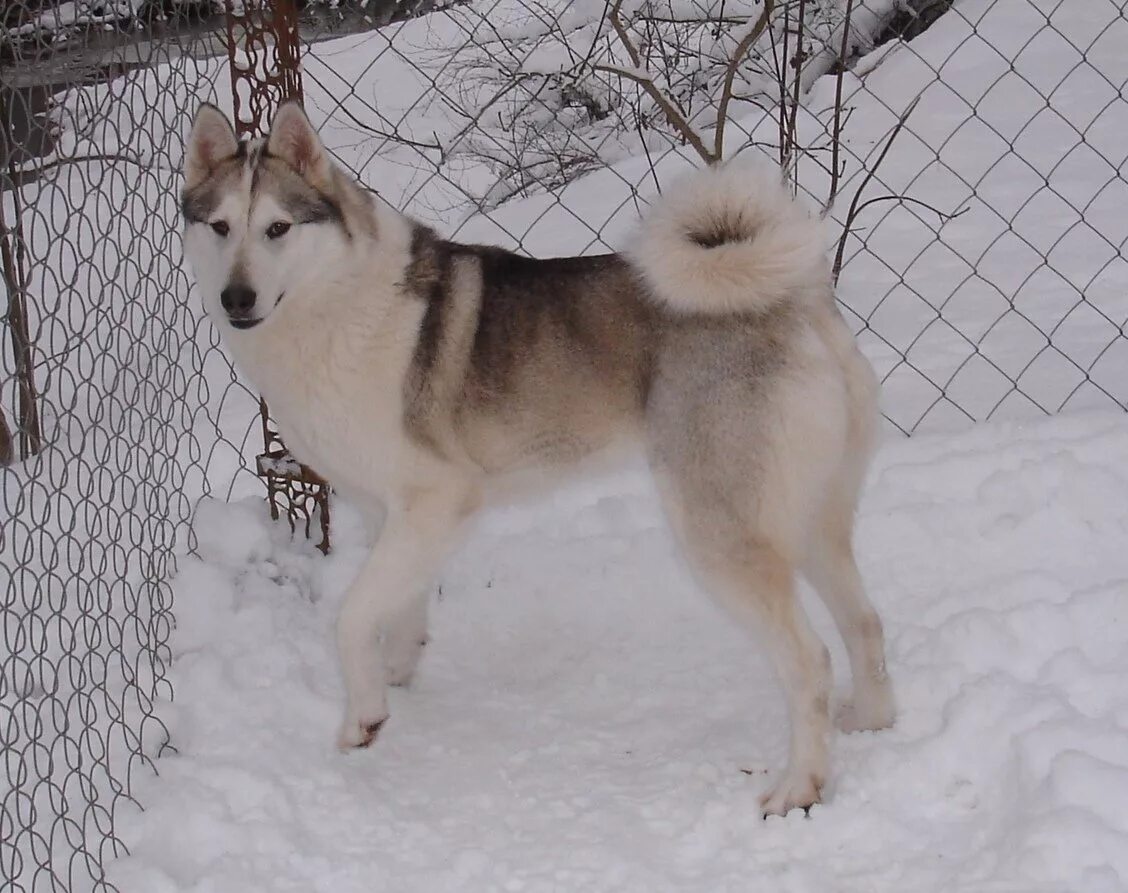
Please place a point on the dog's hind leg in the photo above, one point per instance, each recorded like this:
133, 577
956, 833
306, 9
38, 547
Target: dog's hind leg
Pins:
750, 573
758, 587
830, 567
417, 534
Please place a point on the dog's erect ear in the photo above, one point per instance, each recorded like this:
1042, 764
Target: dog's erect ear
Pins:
293, 139
212, 140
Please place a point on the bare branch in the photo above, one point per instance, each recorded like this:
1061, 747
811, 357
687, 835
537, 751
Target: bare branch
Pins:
854, 208
673, 113
578, 69
836, 133
383, 134
781, 106
649, 160
669, 108
943, 215
742, 50
23, 176
624, 37
784, 98
796, 84
706, 22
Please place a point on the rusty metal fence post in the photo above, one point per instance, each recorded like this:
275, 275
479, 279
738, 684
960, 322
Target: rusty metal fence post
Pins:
7, 448
28, 438
264, 56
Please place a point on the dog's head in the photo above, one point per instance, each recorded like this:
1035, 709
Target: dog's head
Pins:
262, 219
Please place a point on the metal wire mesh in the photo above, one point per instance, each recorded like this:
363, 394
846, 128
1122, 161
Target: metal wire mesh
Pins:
984, 270
1014, 307
114, 431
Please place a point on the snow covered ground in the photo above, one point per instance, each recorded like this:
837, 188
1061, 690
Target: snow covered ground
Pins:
583, 719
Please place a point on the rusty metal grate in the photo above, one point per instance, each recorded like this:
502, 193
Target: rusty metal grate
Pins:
264, 56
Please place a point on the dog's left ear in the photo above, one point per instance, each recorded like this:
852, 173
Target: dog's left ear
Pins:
211, 141
293, 139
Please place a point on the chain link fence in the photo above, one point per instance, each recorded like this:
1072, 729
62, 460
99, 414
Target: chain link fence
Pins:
112, 426
972, 154
996, 286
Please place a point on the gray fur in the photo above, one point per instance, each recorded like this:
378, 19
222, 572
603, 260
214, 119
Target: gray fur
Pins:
302, 202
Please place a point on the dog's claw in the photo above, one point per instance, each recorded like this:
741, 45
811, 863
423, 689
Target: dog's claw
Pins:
371, 731
800, 792
806, 814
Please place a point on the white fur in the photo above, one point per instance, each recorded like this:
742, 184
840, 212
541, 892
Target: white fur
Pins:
343, 334
342, 326
779, 253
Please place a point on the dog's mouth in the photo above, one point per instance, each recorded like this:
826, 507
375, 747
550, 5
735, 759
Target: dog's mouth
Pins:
243, 322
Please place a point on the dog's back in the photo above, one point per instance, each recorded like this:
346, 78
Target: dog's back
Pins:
527, 362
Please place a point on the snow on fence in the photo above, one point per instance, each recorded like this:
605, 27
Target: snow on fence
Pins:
969, 157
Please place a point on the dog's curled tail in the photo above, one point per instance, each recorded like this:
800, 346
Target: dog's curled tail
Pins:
731, 239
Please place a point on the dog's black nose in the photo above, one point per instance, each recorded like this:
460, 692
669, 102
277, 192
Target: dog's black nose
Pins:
237, 300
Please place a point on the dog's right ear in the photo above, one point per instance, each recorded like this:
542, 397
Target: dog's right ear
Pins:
212, 140
294, 140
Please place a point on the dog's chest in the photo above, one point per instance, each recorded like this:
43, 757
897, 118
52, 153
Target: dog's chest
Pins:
348, 436
341, 417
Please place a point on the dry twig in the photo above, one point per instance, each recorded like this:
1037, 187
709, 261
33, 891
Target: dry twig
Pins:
672, 112
796, 63
836, 133
848, 226
742, 50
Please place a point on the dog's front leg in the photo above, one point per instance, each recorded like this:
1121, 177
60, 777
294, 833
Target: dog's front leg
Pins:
402, 639
416, 535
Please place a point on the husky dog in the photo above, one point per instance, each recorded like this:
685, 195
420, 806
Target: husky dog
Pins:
424, 377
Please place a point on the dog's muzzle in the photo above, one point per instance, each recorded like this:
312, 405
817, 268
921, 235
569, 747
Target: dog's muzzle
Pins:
239, 302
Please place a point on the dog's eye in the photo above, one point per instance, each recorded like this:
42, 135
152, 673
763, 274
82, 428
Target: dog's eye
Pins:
277, 229
221, 228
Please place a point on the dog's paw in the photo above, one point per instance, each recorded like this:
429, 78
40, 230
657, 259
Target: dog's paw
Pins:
869, 714
355, 734
401, 657
361, 725
795, 791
